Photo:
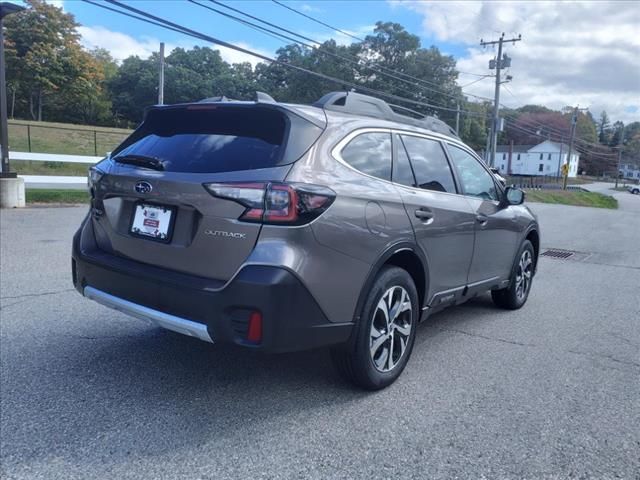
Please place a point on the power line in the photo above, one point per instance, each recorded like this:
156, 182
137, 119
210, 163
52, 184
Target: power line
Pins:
319, 21
579, 149
351, 59
153, 19
392, 73
476, 81
363, 40
556, 131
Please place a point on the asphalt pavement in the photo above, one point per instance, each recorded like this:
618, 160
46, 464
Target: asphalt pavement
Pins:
548, 391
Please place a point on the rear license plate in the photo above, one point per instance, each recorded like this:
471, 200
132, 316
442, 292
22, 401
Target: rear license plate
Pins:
153, 221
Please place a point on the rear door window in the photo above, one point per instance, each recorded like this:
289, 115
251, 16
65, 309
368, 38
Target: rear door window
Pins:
370, 153
429, 163
210, 141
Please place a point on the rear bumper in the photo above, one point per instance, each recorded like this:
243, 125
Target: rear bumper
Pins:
206, 309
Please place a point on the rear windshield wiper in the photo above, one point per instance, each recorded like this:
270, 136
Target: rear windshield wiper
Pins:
141, 161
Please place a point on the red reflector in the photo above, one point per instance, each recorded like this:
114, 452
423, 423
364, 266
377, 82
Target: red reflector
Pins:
254, 333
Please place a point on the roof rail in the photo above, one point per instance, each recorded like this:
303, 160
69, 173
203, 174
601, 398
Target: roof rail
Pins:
359, 104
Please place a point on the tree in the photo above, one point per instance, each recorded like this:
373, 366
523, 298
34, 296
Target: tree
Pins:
617, 136
134, 87
474, 126
47, 66
603, 128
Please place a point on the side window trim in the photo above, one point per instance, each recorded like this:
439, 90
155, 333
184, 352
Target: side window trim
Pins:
396, 145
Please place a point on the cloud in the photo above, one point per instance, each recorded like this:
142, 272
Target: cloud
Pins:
56, 3
121, 45
305, 7
585, 53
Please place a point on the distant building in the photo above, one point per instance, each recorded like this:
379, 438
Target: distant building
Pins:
630, 170
545, 158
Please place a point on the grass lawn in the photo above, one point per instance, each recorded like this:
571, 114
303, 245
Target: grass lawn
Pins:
50, 168
49, 137
570, 197
36, 195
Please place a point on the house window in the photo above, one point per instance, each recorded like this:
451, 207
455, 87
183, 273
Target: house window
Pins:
504, 156
541, 167
549, 157
502, 167
518, 156
541, 155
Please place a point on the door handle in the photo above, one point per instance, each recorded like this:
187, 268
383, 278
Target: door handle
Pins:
482, 219
424, 214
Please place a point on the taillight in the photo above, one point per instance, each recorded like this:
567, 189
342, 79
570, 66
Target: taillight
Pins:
276, 203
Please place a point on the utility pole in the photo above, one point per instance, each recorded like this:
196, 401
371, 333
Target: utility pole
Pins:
620, 145
6, 8
161, 76
458, 118
560, 158
565, 171
619, 162
499, 63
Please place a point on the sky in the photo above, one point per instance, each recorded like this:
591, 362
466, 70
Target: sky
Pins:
572, 53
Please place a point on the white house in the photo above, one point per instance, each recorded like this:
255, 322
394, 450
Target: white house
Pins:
545, 158
631, 171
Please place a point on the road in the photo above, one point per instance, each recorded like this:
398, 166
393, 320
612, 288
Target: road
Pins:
549, 391
626, 201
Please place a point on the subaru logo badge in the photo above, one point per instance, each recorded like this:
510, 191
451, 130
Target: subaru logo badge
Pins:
143, 187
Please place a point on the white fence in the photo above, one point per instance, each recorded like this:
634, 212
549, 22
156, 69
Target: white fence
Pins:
53, 180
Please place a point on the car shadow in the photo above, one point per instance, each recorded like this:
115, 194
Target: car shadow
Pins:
115, 392
152, 383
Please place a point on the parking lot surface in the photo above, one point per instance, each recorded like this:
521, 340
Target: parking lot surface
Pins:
549, 391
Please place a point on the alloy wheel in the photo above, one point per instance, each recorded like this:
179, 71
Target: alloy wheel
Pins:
390, 329
523, 275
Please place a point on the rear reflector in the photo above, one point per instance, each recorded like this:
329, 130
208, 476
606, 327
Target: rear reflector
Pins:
254, 332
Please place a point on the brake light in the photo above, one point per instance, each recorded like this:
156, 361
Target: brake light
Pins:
276, 203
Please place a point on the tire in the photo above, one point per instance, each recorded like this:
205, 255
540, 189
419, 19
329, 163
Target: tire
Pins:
373, 371
516, 294
635, 191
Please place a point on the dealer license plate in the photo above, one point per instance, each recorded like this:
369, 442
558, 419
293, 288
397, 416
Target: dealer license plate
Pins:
152, 221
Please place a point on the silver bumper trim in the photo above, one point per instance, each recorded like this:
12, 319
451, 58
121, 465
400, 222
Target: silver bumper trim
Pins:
161, 319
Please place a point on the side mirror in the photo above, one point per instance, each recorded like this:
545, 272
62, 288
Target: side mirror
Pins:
513, 196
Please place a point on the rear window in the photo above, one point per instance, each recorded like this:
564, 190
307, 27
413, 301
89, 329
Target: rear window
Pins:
210, 139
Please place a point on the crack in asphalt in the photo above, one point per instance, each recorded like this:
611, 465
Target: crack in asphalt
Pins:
55, 292
605, 356
513, 342
623, 339
495, 339
28, 296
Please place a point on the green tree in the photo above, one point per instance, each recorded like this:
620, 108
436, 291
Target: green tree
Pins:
603, 128
49, 71
43, 41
